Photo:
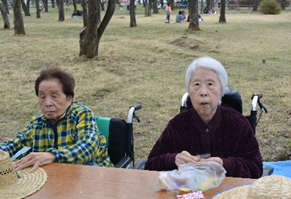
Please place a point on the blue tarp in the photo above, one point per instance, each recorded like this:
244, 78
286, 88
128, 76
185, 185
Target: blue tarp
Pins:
282, 168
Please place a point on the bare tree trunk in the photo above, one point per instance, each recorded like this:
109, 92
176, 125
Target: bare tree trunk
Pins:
132, 13
45, 2
90, 36
4, 16
222, 18
18, 20
172, 4
53, 3
193, 15
208, 4
25, 8
61, 10
155, 7
5, 4
85, 12
37, 9
148, 11
102, 4
255, 7
283, 4
75, 5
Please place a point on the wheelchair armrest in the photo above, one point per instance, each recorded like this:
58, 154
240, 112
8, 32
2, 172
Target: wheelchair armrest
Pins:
123, 162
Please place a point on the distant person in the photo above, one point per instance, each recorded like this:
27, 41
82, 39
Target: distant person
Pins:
74, 14
79, 13
169, 10
184, 15
179, 17
205, 10
212, 11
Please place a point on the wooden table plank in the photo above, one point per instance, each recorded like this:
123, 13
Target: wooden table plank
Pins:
79, 181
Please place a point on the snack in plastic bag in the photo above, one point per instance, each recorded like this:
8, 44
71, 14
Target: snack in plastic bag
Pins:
195, 176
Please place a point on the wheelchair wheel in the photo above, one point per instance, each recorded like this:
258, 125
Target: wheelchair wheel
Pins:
140, 164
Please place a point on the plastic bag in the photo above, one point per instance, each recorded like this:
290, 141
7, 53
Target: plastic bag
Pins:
195, 176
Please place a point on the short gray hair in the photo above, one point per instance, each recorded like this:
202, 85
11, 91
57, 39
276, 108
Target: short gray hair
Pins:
209, 63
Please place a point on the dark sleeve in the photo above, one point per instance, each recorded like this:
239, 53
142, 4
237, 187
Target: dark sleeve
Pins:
243, 157
162, 156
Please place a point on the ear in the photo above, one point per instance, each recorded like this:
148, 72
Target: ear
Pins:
70, 98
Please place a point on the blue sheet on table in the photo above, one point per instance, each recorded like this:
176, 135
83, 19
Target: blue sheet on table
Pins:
280, 168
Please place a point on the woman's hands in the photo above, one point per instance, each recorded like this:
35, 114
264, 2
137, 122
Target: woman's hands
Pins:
185, 157
35, 159
215, 159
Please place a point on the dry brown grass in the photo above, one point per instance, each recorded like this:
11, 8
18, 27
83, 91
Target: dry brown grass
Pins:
147, 64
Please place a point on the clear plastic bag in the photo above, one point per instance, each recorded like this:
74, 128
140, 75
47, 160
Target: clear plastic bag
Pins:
195, 176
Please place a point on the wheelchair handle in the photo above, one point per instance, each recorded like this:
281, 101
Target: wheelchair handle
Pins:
136, 107
131, 113
259, 96
256, 100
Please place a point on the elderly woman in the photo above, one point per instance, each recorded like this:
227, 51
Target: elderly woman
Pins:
65, 132
208, 127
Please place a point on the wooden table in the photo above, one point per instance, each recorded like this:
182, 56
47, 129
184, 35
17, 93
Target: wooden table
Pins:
67, 181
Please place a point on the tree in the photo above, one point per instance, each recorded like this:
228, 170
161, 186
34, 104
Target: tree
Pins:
155, 7
53, 3
193, 15
222, 18
4, 16
148, 8
18, 20
256, 4
61, 10
283, 5
85, 12
132, 13
25, 7
6, 5
91, 34
75, 5
102, 2
37, 9
45, 2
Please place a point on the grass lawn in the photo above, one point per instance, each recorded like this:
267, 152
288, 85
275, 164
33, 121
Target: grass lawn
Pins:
147, 64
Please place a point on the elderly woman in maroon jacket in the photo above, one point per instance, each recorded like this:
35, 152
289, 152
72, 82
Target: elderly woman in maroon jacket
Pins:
208, 127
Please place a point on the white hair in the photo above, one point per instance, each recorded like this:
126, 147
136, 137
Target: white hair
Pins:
209, 63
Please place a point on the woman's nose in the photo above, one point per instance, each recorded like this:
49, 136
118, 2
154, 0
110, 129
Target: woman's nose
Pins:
48, 103
203, 92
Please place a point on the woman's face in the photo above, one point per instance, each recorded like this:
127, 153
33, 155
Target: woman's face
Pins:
205, 92
52, 100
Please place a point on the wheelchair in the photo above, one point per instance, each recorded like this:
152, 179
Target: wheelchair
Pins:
119, 138
232, 98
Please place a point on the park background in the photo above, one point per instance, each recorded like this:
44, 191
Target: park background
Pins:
146, 65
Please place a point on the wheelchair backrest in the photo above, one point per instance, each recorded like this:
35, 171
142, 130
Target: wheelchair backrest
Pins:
115, 131
231, 98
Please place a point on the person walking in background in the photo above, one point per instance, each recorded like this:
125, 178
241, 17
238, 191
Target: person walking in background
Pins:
169, 10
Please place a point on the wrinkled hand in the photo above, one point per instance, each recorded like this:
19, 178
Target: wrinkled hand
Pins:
215, 159
185, 157
35, 159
